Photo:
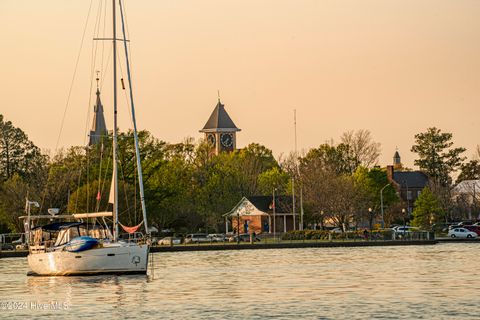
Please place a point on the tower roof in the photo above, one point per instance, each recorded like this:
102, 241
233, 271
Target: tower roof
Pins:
99, 128
219, 121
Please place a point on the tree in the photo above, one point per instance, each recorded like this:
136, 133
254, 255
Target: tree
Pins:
469, 171
364, 150
273, 178
18, 155
369, 183
333, 158
437, 156
13, 193
428, 210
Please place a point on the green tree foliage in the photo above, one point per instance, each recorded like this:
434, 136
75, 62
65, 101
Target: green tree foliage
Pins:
274, 178
336, 159
13, 193
437, 156
428, 210
369, 182
328, 188
469, 171
18, 155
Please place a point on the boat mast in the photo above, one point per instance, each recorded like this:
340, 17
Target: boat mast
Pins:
115, 169
135, 134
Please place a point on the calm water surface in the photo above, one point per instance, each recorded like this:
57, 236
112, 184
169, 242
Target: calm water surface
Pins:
413, 282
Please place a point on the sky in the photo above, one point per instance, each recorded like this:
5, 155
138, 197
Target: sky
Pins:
394, 67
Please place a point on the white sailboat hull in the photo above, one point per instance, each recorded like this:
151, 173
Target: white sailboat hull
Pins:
115, 258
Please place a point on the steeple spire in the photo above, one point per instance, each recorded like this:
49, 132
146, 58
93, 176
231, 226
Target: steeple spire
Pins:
397, 161
99, 128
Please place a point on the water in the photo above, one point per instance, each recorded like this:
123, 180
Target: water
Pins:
411, 282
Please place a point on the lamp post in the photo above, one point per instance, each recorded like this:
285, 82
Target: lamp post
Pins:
408, 197
381, 204
238, 226
370, 210
274, 216
404, 223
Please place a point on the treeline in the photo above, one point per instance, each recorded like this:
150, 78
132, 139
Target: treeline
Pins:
187, 188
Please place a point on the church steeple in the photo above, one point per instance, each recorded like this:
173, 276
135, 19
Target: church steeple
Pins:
99, 128
397, 161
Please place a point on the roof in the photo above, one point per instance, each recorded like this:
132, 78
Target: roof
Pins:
410, 179
467, 186
283, 204
56, 226
219, 120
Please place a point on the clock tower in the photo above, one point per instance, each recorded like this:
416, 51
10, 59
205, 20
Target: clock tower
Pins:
220, 131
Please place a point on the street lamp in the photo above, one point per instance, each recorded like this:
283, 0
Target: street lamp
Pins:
238, 226
274, 216
381, 204
370, 212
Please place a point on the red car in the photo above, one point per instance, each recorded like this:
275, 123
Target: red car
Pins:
475, 229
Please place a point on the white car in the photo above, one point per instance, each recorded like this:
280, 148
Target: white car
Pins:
404, 229
217, 237
461, 233
168, 241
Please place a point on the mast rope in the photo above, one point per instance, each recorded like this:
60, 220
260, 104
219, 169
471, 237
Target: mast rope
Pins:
74, 75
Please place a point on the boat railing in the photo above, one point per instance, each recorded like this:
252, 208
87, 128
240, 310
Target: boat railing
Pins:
136, 237
41, 246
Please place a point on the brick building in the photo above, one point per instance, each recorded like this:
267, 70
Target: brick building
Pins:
257, 214
408, 184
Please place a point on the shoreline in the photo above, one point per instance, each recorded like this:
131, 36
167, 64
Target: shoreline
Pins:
262, 246
280, 245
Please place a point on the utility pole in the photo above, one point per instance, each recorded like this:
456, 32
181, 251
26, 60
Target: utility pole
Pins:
274, 216
381, 204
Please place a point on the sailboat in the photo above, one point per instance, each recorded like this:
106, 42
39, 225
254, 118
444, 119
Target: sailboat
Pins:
78, 248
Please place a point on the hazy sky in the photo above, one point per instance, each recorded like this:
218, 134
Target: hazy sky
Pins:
394, 67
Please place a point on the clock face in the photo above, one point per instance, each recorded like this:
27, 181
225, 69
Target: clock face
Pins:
226, 139
211, 139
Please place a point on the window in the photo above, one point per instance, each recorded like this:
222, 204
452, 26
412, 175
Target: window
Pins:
409, 195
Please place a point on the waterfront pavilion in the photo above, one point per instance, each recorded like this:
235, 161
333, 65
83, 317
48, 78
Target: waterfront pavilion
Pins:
257, 214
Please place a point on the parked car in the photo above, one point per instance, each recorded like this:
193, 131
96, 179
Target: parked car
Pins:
473, 228
217, 237
404, 229
6, 246
336, 230
197, 238
244, 237
168, 241
461, 233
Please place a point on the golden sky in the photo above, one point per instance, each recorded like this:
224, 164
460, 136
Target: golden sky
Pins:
394, 67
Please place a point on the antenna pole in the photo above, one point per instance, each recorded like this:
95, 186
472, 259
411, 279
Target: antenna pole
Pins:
115, 133
293, 176
298, 171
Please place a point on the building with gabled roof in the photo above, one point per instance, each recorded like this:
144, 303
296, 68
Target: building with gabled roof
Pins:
257, 214
408, 184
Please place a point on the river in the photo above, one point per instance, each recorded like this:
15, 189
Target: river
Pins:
411, 282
